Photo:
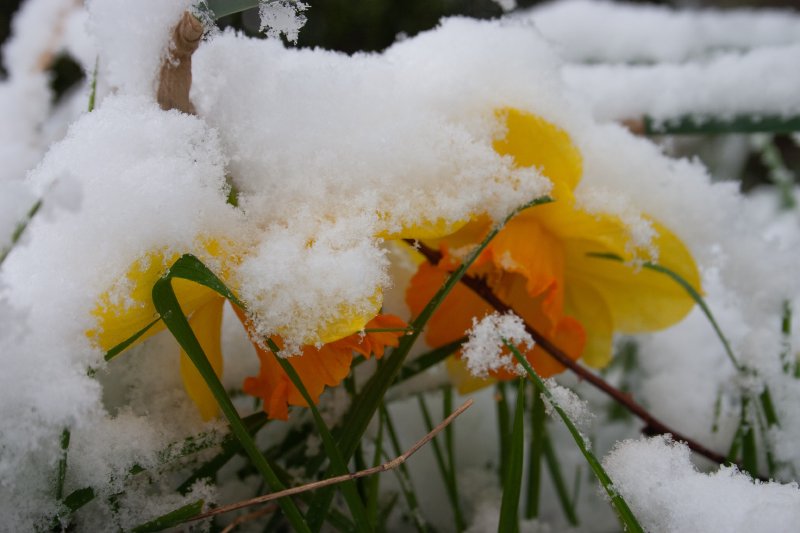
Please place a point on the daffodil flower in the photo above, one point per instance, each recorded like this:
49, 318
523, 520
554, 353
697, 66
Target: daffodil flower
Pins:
541, 264
119, 318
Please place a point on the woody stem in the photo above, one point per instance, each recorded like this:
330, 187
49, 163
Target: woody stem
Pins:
653, 426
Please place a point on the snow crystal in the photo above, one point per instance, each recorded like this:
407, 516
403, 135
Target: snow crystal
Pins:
483, 351
282, 17
576, 409
667, 493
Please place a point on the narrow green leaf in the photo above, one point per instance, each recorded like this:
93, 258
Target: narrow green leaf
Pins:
748, 437
93, 86
373, 482
449, 446
174, 518
166, 303
366, 403
191, 268
512, 482
429, 359
554, 467
444, 468
503, 429
338, 465
538, 438
62, 464
20, 229
778, 173
403, 475
623, 511
692, 292
78, 498
230, 447
749, 451
121, 347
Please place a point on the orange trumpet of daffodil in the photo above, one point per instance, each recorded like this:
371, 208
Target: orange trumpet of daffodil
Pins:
317, 368
541, 265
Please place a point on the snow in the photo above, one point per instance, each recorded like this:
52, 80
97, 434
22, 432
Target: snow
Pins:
631, 33
484, 350
282, 17
334, 157
673, 496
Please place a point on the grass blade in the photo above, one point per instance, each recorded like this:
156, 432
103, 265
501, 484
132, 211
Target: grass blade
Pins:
121, 347
167, 305
692, 292
20, 229
366, 403
623, 511
429, 359
512, 483
444, 468
62, 464
78, 498
230, 447
338, 465
403, 476
503, 428
553, 466
538, 438
174, 518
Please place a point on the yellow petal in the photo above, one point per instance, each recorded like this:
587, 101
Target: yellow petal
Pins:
462, 379
586, 304
535, 142
638, 299
125, 309
426, 229
206, 323
351, 320
524, 247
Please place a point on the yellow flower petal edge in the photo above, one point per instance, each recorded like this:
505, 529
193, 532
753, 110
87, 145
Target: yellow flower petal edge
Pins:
541, 264
534, 142
351, 320
206, 323
126, 309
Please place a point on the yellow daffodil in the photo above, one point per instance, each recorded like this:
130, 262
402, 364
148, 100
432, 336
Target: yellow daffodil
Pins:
541, 264
118, 319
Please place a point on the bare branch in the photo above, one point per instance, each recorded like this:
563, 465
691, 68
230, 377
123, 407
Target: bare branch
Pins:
653, 425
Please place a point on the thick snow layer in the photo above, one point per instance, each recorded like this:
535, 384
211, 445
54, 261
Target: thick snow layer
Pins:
701, 89
484, 351
603, 31
667, 493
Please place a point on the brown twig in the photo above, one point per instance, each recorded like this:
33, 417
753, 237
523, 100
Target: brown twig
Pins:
249, 517
652, 424
389, 465
175, 77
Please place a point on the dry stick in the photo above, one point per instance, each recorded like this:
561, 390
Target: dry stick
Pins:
249, 517
394, 463
653, 425
175, 77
